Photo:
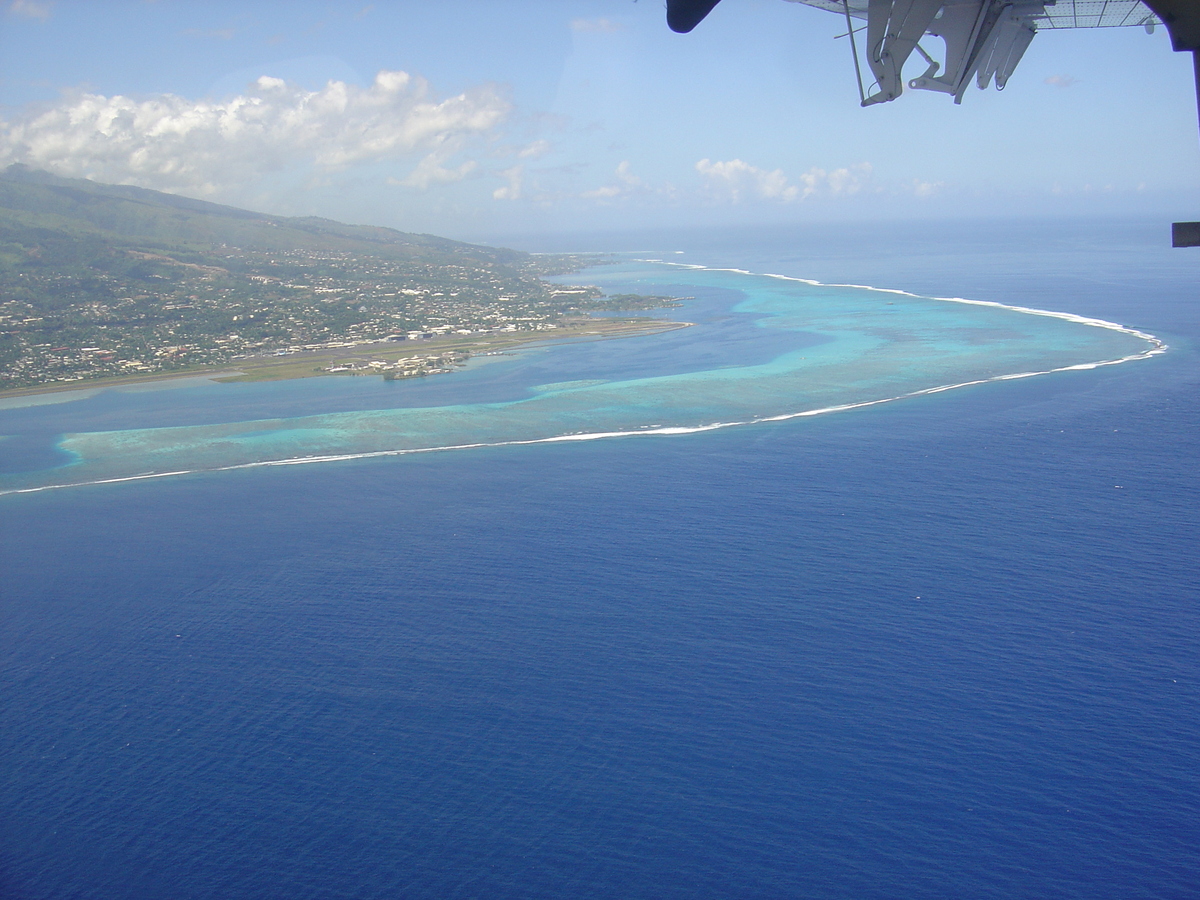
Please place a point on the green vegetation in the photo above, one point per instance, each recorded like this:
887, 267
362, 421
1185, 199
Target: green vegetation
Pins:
105, 280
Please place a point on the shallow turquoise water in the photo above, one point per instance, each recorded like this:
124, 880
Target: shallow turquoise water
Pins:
831, 348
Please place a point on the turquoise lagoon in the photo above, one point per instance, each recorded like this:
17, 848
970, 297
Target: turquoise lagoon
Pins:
809, 349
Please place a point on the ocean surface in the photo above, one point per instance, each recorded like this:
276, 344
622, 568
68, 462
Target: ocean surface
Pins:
838, 593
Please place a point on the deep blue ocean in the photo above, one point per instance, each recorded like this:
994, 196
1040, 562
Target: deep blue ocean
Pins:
946, 647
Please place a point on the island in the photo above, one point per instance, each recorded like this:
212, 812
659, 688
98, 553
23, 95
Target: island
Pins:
102, 282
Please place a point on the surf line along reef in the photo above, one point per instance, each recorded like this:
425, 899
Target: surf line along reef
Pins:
834, 348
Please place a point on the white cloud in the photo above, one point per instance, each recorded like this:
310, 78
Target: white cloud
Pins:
534, 150
1062, 81
430, 171
625, 176
603, 193
626, 183
596, 26
925, 188
837, 182
173, 143
512, 190
30, 9
736, 180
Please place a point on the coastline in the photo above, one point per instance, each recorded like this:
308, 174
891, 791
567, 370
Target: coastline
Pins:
316, 363
356, 435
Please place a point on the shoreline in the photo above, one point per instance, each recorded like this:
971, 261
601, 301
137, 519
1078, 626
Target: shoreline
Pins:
586, 329
316, 363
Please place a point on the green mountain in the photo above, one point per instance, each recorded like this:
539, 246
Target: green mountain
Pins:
125, 215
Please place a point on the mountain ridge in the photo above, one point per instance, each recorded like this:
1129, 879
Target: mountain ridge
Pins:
126, 213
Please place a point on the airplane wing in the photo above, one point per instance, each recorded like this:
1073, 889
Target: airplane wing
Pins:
1063, 14
984, 39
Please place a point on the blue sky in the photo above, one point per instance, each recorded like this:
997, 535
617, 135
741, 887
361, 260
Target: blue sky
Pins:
484, 117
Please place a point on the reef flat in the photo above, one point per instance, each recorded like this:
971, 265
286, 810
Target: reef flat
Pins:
806, 349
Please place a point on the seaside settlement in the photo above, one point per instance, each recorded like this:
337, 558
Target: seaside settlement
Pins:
281, 298
329, 312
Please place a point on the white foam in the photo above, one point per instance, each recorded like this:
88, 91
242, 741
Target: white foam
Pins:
1157, 347
142, 477
661, 430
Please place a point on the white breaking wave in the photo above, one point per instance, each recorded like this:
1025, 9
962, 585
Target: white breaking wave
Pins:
1157, 347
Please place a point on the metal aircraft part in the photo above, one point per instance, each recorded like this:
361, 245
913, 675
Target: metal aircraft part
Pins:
1182, 18
1063, 14
984, 39
684, 15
